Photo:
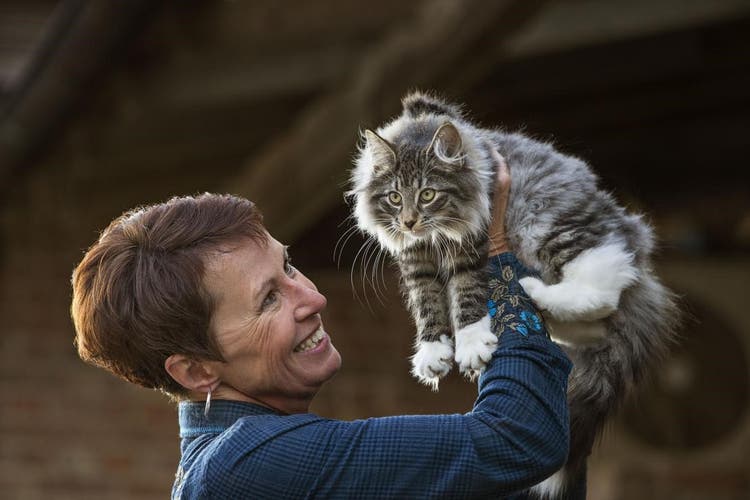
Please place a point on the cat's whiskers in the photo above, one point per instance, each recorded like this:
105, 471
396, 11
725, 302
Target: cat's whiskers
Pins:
371, 253
364, 255
477, 228
471, 248
380, 273
374, 273
360, 255
341, 244
385, 256
375, 257
448, 246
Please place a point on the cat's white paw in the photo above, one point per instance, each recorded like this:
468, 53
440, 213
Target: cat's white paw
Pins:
433, 361
534, 288
475, 344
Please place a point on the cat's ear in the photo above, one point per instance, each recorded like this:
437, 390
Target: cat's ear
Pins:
447, 145
382, 152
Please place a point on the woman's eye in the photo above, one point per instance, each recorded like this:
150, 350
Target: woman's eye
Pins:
269, 300
427, 195
394, 197
289, 268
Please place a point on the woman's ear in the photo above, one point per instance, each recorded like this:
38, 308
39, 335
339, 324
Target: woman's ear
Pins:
193, 375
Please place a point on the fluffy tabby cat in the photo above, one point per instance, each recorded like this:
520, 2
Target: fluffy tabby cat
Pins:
422, 185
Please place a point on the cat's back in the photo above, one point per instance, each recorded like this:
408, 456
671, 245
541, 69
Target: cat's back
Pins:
541, 165
552, 193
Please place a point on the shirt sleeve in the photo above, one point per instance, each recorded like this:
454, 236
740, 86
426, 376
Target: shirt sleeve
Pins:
515, 436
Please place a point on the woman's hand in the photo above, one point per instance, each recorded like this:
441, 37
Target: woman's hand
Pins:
498, 241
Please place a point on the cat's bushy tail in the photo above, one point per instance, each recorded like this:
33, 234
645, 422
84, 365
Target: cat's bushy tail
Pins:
640, 335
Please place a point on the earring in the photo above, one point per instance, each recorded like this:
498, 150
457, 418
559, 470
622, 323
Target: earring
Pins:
208, 404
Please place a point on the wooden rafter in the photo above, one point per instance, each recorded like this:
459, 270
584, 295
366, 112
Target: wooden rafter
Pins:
300, 175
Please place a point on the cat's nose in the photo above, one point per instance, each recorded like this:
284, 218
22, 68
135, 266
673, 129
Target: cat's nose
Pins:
410, 223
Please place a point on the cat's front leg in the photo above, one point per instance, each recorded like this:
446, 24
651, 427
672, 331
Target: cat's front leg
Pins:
432, 361
475, 342
426, 300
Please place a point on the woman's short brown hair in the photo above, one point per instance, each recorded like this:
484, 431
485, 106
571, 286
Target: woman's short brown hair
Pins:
138, 293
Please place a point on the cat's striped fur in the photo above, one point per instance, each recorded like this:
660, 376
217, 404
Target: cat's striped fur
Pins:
597, 290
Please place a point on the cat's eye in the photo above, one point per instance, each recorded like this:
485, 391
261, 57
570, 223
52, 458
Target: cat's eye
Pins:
427, 195
394, 197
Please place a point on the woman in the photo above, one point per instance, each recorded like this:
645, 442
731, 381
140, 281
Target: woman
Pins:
195, 298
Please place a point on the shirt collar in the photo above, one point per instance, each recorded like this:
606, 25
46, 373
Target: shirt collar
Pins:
221, 416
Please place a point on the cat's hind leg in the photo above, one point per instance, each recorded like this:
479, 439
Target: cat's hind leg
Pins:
590, 287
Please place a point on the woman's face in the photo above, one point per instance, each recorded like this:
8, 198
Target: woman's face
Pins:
267, 322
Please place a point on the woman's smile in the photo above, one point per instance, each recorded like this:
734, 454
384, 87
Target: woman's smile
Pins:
313, 342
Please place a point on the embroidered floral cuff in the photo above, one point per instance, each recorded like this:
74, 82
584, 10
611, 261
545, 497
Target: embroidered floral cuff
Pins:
509, 305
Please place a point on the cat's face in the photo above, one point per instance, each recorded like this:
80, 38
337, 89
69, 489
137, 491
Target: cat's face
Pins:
418, 189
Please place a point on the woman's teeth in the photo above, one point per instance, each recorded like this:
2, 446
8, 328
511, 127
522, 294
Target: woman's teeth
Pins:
311, 342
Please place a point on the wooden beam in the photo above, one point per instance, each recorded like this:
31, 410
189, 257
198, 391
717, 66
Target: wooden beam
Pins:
566, 25
213, 78
608, 88
269, 26
300, 175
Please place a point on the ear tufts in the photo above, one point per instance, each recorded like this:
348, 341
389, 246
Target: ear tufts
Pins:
447, 145
384, 157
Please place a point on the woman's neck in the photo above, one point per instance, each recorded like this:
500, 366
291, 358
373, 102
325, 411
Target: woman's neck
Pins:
280, 405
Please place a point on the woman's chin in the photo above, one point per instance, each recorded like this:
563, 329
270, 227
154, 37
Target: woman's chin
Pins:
327, 364
334, 363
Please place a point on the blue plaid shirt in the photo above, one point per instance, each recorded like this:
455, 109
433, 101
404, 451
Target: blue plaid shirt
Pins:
515, 436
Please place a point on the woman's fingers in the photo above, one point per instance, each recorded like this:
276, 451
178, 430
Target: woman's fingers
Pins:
498, 241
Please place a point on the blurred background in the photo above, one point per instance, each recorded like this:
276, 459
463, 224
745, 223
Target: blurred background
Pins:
106, 105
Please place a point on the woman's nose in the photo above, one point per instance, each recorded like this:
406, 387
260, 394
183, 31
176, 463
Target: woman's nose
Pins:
309, 301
